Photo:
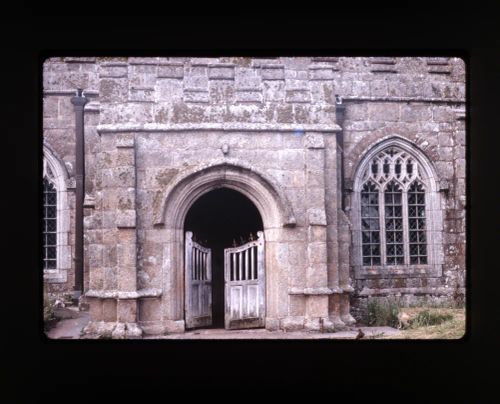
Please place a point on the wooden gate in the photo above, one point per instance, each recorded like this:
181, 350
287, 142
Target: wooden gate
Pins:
245, 288
198, 263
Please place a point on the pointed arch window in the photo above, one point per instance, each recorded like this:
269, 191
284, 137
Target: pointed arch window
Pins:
395, 199
56, 251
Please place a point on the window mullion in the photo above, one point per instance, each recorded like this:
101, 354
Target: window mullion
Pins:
381, 201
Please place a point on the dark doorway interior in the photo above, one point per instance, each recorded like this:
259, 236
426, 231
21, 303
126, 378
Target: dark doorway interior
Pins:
219, 219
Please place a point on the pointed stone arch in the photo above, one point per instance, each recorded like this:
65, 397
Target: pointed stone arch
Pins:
431, 176
55, 171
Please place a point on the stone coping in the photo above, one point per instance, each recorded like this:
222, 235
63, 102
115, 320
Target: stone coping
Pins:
117, 294
233, 127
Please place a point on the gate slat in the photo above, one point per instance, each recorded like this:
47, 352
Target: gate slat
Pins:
198, 300
254, 263
193, 265
245, 289
234, 267
204, 266
247, 264
196, 264
240, 265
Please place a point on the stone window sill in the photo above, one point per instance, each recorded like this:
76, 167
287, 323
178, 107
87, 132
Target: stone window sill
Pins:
54, 275
398, 271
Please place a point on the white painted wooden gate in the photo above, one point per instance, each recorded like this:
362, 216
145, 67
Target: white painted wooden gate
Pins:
198, 263
245, 288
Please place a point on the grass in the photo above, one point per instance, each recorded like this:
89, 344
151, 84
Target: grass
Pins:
432, 323
381, 313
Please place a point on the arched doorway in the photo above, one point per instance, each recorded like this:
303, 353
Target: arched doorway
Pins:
221, 219
169, 218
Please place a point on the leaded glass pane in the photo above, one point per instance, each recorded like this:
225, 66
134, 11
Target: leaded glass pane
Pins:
416, 223
398, 168
366, 237
51, 239
370, 224
51, 199
49, 225
51, 211
373, 199
393, 223
386, 168
51, 252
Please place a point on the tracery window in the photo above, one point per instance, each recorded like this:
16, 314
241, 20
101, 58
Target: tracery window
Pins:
393, 210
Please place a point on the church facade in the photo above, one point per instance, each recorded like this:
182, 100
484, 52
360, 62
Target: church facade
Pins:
239, 192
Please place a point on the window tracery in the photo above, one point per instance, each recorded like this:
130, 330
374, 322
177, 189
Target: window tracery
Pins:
394, 195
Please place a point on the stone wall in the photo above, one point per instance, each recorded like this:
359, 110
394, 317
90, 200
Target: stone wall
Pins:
277, 115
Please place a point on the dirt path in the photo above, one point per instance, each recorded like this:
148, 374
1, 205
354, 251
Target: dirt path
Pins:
69, 328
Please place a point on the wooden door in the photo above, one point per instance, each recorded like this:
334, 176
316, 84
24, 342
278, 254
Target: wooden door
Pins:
245, 288
198, 264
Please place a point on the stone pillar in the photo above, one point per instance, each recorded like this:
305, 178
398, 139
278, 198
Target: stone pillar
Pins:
334, 232
113, 305
316, 290
126, 248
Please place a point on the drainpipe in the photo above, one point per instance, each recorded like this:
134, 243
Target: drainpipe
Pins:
79, 102
339, 115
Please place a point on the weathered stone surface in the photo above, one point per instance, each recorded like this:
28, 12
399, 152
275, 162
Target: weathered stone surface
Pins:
125, 218
221, 72
292, 323
109, 310
171, 70
150, 120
